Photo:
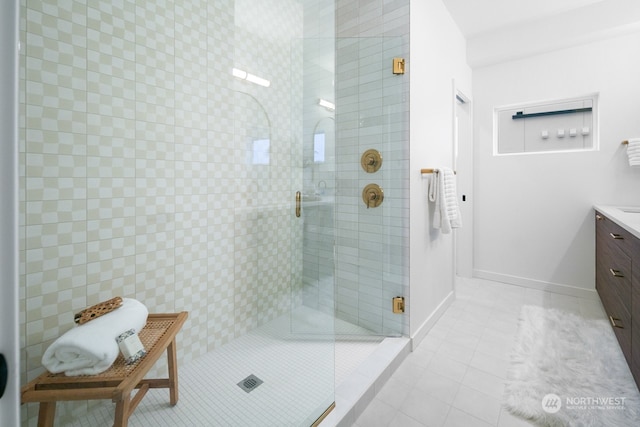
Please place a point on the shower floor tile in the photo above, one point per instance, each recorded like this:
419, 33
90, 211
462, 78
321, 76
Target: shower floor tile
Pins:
293, 357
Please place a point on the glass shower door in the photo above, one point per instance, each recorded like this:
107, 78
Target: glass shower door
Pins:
312, 214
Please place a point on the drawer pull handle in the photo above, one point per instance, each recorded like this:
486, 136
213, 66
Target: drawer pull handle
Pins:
615, 273
599, 217
616, 236
614, 324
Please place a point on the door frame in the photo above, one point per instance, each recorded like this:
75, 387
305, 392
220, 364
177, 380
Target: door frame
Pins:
9, 339
463, 164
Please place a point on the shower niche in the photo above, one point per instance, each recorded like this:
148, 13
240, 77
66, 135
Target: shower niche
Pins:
569, 124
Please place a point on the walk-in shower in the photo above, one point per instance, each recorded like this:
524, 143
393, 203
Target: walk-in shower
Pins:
162, 145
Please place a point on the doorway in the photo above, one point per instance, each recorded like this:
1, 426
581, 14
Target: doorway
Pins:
463, 164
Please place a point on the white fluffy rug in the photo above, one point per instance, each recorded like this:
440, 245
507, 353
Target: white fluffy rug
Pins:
574, 368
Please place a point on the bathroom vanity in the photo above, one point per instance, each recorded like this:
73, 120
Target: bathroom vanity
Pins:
618, 276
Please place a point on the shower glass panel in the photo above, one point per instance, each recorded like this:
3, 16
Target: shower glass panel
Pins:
354, 258
312, 219
314, 161
372, 256
160, 147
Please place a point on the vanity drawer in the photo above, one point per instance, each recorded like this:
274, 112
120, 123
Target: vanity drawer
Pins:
612, 234
620, 321
613, 271
635, 310
635, 348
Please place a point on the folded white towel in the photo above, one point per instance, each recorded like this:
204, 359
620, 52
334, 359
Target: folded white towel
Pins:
442, 191
91, 348
633, 151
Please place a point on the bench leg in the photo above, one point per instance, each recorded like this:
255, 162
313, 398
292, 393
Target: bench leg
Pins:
46, 414
122, 412
173, 372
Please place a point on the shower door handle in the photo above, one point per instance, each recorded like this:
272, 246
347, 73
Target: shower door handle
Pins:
298, 203
4, 374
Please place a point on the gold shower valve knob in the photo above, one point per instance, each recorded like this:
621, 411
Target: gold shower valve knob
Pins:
372, 196
371, 160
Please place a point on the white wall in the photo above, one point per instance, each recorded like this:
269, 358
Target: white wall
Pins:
533, 213
437, 57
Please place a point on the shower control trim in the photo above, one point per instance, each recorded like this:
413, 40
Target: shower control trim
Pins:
372, 195
371, 160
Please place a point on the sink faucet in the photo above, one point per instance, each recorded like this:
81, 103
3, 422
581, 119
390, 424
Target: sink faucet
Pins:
321, 187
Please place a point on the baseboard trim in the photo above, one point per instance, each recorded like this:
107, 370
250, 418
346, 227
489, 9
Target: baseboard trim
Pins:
537, 284
426, 326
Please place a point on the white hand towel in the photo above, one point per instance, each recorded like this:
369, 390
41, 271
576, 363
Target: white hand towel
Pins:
633, 151
91, 348
442, 191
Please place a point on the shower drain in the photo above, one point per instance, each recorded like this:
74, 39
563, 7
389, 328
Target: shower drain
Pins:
250, 383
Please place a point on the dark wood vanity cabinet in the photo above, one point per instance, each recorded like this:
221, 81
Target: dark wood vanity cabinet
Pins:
635, 310
618, 284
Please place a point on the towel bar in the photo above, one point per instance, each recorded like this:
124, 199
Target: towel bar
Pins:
625, 142
521, 115
423, 171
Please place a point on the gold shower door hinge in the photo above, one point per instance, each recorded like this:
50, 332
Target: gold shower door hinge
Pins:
398, 65
398, 305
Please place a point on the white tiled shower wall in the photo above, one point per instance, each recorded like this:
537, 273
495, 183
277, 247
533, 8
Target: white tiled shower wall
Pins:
372, 250
135, 170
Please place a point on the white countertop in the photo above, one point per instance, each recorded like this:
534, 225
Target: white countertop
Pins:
627, 217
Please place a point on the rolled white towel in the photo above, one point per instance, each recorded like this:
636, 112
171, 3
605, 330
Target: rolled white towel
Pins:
91, 348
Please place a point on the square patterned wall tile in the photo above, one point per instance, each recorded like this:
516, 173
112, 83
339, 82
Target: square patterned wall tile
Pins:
55, 170
137, 166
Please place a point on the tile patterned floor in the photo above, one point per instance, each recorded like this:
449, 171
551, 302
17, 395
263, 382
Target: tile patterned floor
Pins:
456, 375
294, 356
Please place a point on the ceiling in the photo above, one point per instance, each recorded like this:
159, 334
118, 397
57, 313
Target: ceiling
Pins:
475, 17
500, 30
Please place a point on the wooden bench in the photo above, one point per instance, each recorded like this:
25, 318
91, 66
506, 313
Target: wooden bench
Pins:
117, 383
